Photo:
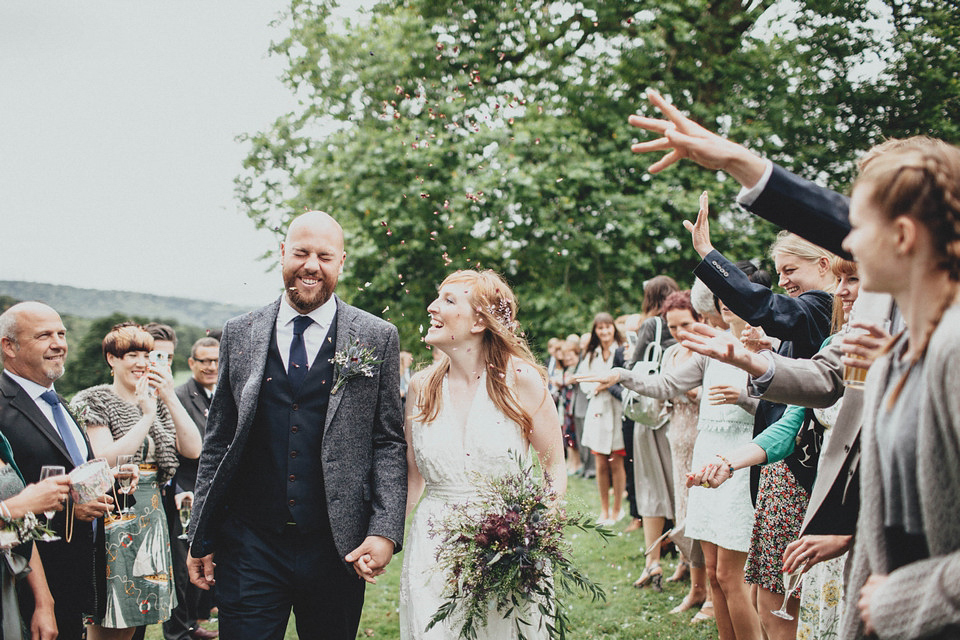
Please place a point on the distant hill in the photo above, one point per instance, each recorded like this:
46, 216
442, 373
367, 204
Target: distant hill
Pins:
95, 303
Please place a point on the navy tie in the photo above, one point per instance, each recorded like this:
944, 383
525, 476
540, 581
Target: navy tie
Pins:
297, 367
50, 397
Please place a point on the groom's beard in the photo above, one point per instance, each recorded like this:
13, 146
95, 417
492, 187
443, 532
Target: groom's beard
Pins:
307, 302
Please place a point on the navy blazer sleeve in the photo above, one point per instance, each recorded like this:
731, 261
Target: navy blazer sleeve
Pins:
804, 320
805, 208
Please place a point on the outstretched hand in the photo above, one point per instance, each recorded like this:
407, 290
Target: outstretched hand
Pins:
684, 138
721, 345
603, 380
700, 230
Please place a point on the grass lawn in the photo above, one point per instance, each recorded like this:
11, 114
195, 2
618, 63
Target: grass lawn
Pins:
628, 613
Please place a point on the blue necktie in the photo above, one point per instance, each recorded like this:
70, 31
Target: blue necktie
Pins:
50, 397
297, 366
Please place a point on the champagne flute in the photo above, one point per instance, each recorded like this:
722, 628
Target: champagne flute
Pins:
791, 582
49, 471
186, 508
125, 478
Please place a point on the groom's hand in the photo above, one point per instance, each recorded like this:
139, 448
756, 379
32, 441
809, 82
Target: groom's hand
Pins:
200, 571
370, 558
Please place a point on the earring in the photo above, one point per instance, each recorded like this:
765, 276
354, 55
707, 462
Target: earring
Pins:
111, 373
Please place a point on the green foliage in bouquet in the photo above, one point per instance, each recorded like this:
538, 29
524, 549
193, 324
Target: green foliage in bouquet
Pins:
506, 551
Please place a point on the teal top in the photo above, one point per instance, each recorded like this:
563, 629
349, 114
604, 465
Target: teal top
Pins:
779, 438
6, 454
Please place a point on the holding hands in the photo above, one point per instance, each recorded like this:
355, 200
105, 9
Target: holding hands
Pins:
371, 557
712, 475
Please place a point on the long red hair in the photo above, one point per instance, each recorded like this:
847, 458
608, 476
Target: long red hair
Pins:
495, 305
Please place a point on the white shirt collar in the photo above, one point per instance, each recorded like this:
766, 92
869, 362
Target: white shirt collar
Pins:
33, 389
322, 315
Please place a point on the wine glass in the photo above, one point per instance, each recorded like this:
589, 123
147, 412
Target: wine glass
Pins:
125, 479
791, 582
49, 471
186, 508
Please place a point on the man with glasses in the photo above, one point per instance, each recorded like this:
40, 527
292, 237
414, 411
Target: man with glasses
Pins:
195, 395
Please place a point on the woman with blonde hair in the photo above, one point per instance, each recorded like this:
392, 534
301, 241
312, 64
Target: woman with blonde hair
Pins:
483, 402
139, 415
800, 319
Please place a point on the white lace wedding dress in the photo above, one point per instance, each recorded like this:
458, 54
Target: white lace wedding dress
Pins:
453, 462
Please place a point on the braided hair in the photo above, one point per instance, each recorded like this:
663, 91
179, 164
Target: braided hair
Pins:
920, 179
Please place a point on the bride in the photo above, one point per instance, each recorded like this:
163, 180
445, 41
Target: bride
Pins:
480, 403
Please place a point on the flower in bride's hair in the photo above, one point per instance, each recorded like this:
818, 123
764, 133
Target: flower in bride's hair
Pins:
503, 314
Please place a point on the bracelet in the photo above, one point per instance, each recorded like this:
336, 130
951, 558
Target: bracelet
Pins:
726, 462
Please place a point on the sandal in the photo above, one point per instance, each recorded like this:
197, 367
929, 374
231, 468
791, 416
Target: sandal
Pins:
687, 604
705, 613
652, 575
682, 573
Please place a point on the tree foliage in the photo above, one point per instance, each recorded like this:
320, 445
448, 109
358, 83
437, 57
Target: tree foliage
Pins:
493, 134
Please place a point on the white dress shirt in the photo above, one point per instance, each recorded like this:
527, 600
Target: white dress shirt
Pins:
314, 335
34, 390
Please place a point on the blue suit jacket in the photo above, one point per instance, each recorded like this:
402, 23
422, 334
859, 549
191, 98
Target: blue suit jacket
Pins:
807, 209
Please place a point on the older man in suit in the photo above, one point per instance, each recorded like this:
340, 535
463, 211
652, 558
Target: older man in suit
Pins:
42, 432
301, 489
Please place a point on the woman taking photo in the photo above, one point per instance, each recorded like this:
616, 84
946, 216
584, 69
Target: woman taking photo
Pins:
139, 415
602, 430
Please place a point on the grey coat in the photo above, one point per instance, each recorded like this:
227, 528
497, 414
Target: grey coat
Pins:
921, 599
818, 382
364, 450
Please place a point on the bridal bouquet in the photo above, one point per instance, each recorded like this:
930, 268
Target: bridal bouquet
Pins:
507, 551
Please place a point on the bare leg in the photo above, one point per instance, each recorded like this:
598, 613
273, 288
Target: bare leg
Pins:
777, 628
722, 615
603, 484
653, 529
619, 476
736, 594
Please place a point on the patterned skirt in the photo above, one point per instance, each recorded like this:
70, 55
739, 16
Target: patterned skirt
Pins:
781, 504
140, 587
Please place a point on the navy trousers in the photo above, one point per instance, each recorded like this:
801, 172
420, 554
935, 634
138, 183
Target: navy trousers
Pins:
261, 575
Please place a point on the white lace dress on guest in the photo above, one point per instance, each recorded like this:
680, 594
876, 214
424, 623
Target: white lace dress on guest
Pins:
453, 462
723, 516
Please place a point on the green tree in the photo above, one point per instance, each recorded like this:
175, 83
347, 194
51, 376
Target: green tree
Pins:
494, 135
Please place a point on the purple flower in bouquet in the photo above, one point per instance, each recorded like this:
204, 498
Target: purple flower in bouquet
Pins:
507, 551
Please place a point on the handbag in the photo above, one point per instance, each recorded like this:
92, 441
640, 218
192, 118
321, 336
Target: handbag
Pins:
644, 409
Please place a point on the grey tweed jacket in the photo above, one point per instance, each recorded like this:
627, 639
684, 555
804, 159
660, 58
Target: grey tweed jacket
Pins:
364, 450
921, 599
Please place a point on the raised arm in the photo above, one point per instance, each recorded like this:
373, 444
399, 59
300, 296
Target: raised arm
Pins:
789, 201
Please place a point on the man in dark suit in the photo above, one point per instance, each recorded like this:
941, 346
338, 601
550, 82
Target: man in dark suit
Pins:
195, 395
301, 488
42, 432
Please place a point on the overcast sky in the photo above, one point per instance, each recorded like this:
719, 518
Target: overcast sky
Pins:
117, 143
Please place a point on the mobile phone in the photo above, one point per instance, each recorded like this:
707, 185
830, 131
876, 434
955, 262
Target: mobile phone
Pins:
158, 359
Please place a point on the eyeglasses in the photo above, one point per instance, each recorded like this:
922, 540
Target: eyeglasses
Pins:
207, 361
